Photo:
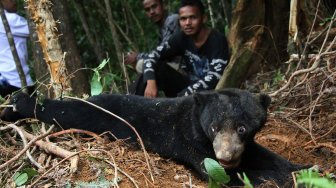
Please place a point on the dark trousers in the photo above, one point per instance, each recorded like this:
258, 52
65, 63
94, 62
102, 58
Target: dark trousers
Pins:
9, 89
170, 81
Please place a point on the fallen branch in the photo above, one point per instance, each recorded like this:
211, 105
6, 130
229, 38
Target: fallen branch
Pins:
52, 148
24, 140
25, 148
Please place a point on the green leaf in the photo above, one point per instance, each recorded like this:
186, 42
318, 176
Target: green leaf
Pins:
20, 178
319, 182
215, 171
96, 86
311, 179
102, 64
246, 181
31, 172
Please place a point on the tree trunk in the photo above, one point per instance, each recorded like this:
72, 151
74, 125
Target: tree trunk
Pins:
258, 35
40, 67
77, 76
114, 32
48, 37
93, 42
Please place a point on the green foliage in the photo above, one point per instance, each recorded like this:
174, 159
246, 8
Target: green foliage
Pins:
325, 20
217, 174
312, 179
24, 176
96, 84
278, 77
246, 181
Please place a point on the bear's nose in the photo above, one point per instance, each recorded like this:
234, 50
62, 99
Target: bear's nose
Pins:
228, 146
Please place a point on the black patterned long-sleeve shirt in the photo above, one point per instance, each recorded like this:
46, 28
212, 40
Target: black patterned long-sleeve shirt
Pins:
204, 65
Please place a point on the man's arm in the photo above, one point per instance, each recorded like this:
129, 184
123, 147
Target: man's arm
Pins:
219, 57
168, 49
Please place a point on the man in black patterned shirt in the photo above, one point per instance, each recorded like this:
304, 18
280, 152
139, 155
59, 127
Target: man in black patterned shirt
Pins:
204, 51
168, 24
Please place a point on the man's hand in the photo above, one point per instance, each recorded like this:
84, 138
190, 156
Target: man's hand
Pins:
131, 59
151, 90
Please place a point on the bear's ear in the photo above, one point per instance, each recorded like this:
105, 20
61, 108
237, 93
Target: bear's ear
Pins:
265, 100
198, 98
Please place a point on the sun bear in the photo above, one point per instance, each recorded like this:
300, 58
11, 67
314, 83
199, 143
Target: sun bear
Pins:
212, 124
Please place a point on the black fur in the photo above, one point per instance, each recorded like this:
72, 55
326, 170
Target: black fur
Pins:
180, 128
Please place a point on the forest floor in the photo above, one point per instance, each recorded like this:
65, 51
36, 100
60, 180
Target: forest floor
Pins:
286, 132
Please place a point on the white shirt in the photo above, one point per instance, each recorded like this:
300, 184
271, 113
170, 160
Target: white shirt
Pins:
19, 29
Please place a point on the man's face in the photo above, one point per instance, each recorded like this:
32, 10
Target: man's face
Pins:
154, 10
191, 20
9, 5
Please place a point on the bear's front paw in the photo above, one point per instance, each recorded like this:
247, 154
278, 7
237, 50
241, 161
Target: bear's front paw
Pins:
19, 101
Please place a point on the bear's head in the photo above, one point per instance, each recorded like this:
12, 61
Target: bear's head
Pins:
230, 119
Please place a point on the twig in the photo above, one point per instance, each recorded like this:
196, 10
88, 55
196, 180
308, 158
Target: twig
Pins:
298, 125
312, 109
25, 148
282, 138
76, 153
310, 33
68, 131
298, 72
317, 59
124, 121
125, 72
24, 140
327, 145
6, 106
321, 136
128, 176
114, 165
45, 173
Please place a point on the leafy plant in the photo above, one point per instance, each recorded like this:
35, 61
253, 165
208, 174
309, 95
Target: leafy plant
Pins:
278, 77
217, 174
96, 85
312, 179
22, 177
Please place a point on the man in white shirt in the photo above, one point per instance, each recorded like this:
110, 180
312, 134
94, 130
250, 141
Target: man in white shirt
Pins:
9, 77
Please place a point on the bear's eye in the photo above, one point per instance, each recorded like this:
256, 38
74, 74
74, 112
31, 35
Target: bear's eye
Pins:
241, 130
